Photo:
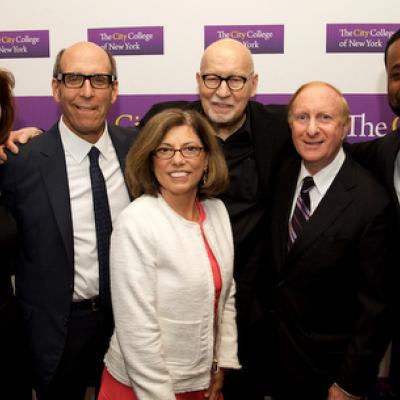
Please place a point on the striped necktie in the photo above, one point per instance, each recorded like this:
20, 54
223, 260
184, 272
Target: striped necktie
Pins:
301, 212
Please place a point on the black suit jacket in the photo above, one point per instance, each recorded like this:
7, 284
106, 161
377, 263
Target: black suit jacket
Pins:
379, 157
34, 185
272, 143
328, 298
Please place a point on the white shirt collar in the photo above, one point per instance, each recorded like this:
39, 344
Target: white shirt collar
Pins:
323, 178
77, 147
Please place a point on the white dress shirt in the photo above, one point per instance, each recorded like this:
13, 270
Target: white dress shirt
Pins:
396, 177
86, 278
322, 180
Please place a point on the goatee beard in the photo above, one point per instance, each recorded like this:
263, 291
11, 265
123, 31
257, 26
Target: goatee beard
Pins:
395, 107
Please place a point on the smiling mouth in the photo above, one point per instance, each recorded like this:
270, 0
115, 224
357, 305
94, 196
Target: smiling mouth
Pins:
222, 106
179, 174
85, 108
314, 143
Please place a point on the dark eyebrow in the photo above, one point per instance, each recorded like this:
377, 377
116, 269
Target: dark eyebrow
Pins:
184, 144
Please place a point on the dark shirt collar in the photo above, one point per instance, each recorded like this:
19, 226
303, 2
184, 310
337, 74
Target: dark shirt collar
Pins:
243, 134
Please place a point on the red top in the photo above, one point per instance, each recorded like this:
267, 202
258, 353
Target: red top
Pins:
213, 262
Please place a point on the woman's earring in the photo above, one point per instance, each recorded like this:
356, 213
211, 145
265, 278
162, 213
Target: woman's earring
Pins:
205, 176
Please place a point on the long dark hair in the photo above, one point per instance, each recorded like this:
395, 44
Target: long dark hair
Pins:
7, 112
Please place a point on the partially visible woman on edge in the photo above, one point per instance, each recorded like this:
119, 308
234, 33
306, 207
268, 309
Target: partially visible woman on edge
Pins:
171, 268
14, 378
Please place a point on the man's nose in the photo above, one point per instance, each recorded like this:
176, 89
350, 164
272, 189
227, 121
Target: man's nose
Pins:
223, 89
312, 128
86, 89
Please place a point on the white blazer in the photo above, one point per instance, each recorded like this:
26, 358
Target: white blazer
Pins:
163, 299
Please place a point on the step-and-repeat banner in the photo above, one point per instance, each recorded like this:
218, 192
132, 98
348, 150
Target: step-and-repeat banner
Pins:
158, 49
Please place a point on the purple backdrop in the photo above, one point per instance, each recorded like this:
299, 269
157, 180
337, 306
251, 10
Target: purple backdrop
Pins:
371, 116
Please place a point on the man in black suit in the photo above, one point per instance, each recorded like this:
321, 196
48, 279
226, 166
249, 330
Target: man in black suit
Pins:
254, 138
48, 188
382, 157
331, 249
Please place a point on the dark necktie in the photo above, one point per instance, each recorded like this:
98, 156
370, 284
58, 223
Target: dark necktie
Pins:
301, 212
103, 225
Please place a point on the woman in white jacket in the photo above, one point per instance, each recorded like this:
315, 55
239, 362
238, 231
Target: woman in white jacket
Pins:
171, 268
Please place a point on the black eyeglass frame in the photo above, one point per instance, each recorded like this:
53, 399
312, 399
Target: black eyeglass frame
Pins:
244, 80
62, 75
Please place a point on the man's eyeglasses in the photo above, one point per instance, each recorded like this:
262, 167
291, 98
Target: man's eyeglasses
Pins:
73, 80
166, 153
234, 82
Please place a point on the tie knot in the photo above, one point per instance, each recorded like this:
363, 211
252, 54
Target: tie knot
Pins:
94, 154
308, 183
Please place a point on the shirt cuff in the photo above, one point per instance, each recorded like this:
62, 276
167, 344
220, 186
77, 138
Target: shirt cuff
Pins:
351, 396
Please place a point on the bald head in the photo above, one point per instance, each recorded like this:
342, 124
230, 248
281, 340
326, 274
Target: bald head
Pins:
230, 62
228, 50
83, 47
325, 87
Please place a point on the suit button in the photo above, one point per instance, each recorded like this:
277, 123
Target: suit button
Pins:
65, 320
281, 283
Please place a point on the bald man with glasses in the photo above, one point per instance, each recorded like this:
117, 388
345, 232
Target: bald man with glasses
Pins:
64, 188
254, 138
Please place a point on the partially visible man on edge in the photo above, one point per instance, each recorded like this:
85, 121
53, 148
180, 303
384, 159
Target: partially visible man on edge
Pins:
254, 138
64, 189
382, 157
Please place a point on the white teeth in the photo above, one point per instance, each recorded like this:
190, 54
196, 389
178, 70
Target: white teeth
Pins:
178, 174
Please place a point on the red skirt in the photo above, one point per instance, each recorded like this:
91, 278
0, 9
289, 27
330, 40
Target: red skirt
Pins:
111, 389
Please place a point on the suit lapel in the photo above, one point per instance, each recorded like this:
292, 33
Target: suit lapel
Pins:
389, 153
336, 200
119, 142
388, 148
386, 155
122, 140
54, 173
